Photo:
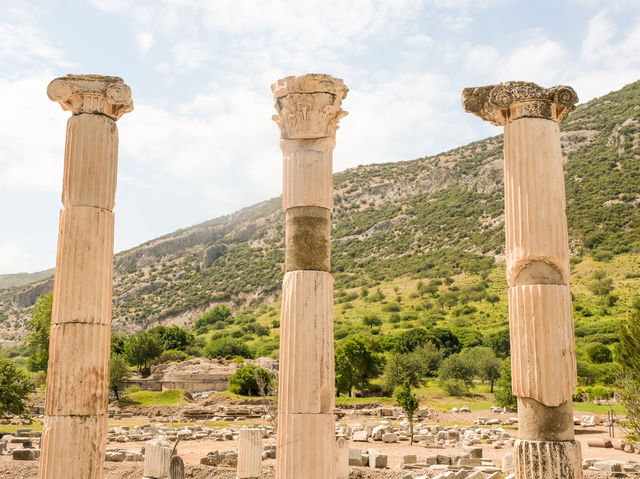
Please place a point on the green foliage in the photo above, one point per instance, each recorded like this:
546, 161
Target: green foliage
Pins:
143, 348
118, 341
601, 285
219, 314
356, 364
171, 356
598, 353
408, 402
504, 394
15, 388
459, 368
487, 365
38, 336
371, 320
500, 342
627, 352
174, 337
118, 373
413, 367
250, 380
227, 347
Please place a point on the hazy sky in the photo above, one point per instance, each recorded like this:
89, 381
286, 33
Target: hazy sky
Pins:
201, 143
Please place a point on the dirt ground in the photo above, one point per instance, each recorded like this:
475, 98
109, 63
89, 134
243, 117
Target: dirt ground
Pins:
193, 451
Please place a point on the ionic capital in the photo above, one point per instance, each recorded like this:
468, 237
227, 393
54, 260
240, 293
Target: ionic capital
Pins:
308, 106
505, 102
98, 94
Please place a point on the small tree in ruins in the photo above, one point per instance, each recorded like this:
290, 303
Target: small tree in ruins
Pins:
627, 354
118, 373
409, 403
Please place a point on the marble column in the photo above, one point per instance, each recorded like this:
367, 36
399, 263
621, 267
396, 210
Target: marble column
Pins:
543, 361
250, 454
308, 109
74, 437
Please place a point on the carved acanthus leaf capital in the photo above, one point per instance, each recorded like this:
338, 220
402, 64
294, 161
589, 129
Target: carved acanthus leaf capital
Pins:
308, 106
99, 94
505, 102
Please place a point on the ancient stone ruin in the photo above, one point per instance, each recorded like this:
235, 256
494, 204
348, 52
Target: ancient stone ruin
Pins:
543, 360
308, 109
74, 437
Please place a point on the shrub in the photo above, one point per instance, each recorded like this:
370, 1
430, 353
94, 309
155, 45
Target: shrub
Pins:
227, 347
459, 368
504, 394
598, 353
245, 381
454, 387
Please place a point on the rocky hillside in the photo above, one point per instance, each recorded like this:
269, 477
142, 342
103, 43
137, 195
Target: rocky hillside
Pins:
427, 217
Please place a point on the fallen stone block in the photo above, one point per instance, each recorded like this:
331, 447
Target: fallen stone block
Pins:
599, 442
25, 454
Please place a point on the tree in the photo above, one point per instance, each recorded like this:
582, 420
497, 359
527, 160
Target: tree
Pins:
118, 340
601, 285
504, 393
39, 328
459, 370
356, 364
245, 381
227, 347
371, 320
493, 299
413, 367
143, 348
598, 353
432, 287
15, 388
409, 340
500, 343
219, 313
174, 337
448, 341
409, 403
627, 355
118, 373
486, 362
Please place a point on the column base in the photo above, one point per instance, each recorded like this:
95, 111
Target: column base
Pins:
548, 459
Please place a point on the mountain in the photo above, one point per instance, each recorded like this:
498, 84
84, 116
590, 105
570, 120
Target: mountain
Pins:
437, 216
21, 279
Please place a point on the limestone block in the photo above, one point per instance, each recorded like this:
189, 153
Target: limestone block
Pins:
535, 220
250, 454
64, 436
157, 459
547, 459
84, 385
90, 162
308, 239
377, 460
543, 360
342, 459
307, 380
307, 173
360, 436
306, 446
84, 279
355, 456
20, 454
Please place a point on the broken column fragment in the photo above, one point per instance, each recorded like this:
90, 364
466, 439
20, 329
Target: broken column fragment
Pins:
309, 108
543, 359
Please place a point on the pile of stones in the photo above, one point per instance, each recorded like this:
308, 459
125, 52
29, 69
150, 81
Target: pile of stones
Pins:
24, 445
184, 433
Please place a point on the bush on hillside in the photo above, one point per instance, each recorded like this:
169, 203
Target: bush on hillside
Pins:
250, 380
598, 353
227, 347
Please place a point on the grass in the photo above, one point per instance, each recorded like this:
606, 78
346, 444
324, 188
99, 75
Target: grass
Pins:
12, 428
347, 401
602, 409
170, 397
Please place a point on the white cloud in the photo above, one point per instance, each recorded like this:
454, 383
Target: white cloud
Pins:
14, 258
145, 41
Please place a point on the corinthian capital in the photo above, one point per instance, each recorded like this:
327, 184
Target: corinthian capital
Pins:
308, 106
92, 94
505, 102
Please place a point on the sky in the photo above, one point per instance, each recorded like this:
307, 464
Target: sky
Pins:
200, 142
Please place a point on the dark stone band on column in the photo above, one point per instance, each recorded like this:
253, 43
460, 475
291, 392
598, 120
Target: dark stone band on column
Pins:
308, 239
537, 422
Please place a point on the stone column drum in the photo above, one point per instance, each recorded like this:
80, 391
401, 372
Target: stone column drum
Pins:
74, 437
308, 109
250, 454
543, 361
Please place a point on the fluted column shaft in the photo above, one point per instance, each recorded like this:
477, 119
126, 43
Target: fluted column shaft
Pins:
250, 454
308, 112
543, 362
74, 437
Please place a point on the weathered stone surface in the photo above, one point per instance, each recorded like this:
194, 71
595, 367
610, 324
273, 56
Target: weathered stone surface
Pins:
250, 454
308, 106
308, 239
176, 468
543, 360
548, 459
20, 454
306, 344
509, 101
157, 459
342, 459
